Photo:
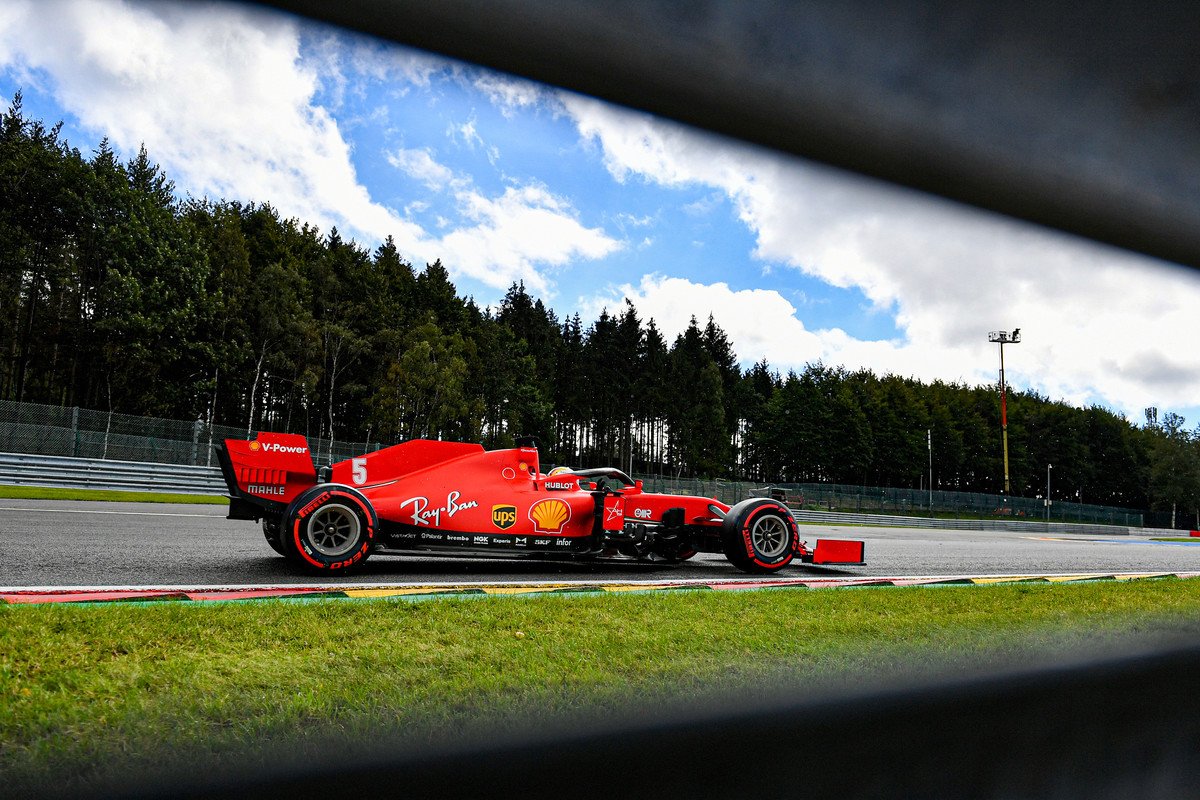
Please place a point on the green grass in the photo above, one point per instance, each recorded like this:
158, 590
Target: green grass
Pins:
47, 493
99, 692
1188, 539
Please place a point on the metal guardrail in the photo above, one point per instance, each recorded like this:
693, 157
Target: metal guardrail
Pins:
17, 469
1030, 526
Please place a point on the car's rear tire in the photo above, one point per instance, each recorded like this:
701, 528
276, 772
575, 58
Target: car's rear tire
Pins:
332, 528
759, 536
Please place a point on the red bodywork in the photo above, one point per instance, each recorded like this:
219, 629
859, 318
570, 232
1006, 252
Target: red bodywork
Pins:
440, 495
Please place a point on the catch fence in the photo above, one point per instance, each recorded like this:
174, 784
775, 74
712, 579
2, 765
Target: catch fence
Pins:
901, 502
82, 433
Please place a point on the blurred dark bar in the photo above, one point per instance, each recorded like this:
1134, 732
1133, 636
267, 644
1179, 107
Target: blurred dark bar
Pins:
1083, 117
1116, 728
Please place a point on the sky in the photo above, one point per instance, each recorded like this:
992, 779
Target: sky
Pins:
590, 204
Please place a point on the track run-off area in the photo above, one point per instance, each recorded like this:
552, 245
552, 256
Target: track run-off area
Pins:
73, 551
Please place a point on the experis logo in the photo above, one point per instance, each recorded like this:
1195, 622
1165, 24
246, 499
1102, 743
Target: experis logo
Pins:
275, 447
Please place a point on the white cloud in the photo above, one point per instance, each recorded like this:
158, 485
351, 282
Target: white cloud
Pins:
467, 133
704, 205
420, 165
509, 94
525, 226
400, 66
504, 239
760, 322
12, 15
624, 219
1099, 324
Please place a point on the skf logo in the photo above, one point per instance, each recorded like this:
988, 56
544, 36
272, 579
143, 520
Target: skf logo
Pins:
549, 516
504, 517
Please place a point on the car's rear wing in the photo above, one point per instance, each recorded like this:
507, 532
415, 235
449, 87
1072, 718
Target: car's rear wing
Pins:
265, 474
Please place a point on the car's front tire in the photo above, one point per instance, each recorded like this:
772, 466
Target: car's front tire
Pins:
332, 528
759, 536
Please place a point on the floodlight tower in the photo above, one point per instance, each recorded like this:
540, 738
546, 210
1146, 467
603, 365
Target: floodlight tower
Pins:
1002, 338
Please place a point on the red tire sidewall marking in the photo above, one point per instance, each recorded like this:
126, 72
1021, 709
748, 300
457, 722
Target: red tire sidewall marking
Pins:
365, 517
785, 558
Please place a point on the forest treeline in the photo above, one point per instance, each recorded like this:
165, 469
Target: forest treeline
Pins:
117, 295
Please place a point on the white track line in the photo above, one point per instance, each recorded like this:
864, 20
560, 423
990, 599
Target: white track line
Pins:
94, 511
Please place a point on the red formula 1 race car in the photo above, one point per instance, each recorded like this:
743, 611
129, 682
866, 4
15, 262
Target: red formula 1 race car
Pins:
452, 497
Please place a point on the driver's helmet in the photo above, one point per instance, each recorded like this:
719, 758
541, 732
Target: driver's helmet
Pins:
584, 484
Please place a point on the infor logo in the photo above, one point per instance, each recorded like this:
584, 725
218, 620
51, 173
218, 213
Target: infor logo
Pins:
504, 517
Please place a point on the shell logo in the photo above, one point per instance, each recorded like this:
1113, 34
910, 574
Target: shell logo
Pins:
549, 516
254, 446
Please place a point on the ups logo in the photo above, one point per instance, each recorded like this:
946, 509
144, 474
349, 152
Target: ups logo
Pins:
504, 517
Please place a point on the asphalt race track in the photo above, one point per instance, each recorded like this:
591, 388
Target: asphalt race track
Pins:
60, 543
